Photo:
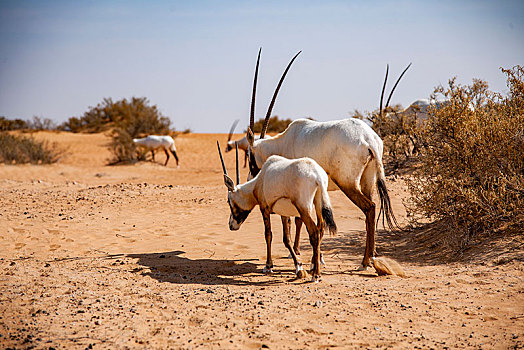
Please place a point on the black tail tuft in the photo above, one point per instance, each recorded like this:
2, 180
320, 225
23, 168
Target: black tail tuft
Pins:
327, 215
385, 207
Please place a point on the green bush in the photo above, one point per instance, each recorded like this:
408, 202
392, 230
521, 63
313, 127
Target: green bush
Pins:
20, 149
471, 162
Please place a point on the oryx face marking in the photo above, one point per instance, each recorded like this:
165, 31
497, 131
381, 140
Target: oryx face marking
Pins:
237, 216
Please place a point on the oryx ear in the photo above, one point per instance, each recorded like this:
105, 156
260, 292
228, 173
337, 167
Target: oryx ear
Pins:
229, 183
250, 136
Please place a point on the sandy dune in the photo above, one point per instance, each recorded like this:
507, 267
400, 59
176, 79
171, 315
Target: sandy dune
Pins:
140, 256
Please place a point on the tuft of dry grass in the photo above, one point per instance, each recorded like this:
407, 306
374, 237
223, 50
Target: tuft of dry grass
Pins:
386, 266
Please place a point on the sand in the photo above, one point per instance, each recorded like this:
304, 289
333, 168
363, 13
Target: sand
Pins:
140, 256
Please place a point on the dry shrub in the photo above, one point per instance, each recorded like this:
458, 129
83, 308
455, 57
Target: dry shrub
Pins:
36, 124
471, 172
109, 114
275, 125
131, 120
20, 149
12, 124
400, 131
126, 120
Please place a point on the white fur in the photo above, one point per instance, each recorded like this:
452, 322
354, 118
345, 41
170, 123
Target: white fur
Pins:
348, 150
156, 142
280, 183
340, 147
420, 108
288, 187
242, 145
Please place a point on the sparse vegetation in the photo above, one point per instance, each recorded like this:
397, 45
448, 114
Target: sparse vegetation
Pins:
121, 114
36, 124
400, 132
470, 174
17, 149
130, 119
126, 120
275, 125
12, 124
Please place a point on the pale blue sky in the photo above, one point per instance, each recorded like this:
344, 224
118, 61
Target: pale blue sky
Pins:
195, 59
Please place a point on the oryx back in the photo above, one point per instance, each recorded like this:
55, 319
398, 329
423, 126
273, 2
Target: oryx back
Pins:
287, 183
342, 147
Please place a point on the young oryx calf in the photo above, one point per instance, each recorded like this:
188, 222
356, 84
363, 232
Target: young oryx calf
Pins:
287, 187
154, 142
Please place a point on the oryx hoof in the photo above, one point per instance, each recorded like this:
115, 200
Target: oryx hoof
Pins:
315, 279
363, 268
267, 269
301, 273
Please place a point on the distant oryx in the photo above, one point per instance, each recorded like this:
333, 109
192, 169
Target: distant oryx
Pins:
241, 143
348, 150
296, 187
154, 142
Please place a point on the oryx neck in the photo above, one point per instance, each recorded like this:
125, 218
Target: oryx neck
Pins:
270, 146
246, 194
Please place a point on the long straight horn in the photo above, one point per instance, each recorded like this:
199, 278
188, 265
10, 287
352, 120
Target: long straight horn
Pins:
221, 158
253, 94
268, 114
238, 172
394, 86
383, 88
232, 129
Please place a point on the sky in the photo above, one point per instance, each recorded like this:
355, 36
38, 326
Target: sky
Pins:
195, 60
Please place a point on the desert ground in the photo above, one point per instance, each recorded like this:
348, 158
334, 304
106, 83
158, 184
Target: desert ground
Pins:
141, 256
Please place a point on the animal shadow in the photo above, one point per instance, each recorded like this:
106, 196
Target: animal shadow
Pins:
171, 267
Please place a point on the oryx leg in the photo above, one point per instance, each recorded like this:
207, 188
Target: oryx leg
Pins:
298, 227
176, 157
314, 239
368, 208
268, 235
286, 225
296, 244
167, 156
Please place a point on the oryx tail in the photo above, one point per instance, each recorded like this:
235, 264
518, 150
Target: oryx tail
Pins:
386, 210
327, 211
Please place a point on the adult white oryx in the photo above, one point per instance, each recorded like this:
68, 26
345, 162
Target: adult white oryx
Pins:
288, 187
154, 142
348, 150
